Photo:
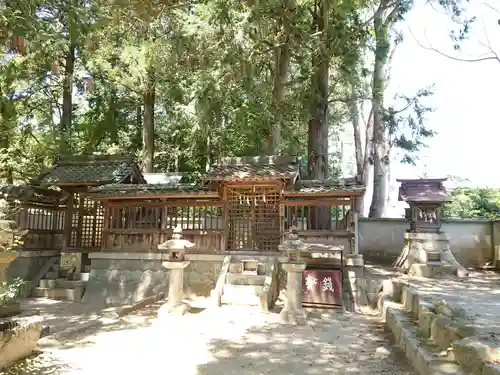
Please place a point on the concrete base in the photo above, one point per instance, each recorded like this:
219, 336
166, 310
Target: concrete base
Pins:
428, 254
126, 281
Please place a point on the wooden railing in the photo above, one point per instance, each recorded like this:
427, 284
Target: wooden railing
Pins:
149, 239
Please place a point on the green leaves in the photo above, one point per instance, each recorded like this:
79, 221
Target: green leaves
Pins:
467, 203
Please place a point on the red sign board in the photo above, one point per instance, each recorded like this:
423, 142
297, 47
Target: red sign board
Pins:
322, 287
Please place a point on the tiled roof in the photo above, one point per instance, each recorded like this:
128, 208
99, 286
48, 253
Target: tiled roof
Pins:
31, 194
254, 168
127, 190
324, 186
423, 190
91, 170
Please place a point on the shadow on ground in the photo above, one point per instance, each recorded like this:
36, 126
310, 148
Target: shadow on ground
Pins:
332, 343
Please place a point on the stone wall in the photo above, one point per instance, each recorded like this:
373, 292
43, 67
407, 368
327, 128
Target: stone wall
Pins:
118, 281
381, 240
27, 265
495, 234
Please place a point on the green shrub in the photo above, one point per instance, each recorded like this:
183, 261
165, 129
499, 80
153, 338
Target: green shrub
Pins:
10, 291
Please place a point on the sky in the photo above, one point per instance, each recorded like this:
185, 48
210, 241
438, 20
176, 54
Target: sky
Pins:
466, 100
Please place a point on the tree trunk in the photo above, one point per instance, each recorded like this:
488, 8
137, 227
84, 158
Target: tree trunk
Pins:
358, 143
67, 105
281, 66
148, 133
364, 151
380, 157
318, 166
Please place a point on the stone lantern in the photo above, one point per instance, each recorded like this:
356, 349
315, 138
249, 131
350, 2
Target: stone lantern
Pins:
175, 261
426, 250
297, 255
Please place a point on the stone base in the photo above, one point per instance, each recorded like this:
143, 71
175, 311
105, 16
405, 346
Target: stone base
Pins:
295, 316
166, 310
431, 250
438, 270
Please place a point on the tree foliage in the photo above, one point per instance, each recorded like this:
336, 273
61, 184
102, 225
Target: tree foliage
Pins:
181, 84
473, 203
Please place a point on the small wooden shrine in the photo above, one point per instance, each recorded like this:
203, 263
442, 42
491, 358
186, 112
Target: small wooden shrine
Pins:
55, 208
425, 198
39, 210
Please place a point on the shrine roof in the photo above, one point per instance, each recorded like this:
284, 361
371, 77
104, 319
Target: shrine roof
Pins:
344, 185
423, 190
254, 168
31, 194
117, 191
91, 170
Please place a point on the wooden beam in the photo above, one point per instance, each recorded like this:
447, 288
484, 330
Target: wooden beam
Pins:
155, 196
170, 203
318, 194
315, 202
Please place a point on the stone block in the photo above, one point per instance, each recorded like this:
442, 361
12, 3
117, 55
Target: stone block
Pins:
473, 353
398, 286
408, 298
491, 369
446, 368
422, 360
425, 322
449, 309
19, 342
409, 343
443, 332
236, 267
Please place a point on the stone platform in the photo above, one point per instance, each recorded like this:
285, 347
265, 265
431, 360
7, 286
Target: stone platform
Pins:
445, 326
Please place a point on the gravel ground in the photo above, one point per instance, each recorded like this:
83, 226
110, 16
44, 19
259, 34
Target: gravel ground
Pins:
227, 340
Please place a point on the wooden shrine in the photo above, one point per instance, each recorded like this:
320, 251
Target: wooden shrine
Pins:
243, 205
103, 203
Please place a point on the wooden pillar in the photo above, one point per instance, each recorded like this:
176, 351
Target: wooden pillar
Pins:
354, 226
356, 233
55, 218
225, 219
94, 222
106, 224
68, 215
79, 225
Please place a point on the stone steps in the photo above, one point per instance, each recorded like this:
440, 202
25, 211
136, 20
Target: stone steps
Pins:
250, 280
435, 336
242, 279
55, 284
74, 294
242, 294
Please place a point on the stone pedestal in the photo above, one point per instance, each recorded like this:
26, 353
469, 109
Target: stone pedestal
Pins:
428, 255
293, 312
174, 305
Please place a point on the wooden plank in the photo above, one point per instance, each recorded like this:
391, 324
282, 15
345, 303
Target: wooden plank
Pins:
150, 231
325, 233
315, 202
188, 203
338, 193
155, 196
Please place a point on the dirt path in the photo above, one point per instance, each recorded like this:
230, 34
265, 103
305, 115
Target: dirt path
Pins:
227, 340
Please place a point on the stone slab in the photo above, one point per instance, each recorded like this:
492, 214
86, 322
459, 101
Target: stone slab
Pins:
20, 341
473, 353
